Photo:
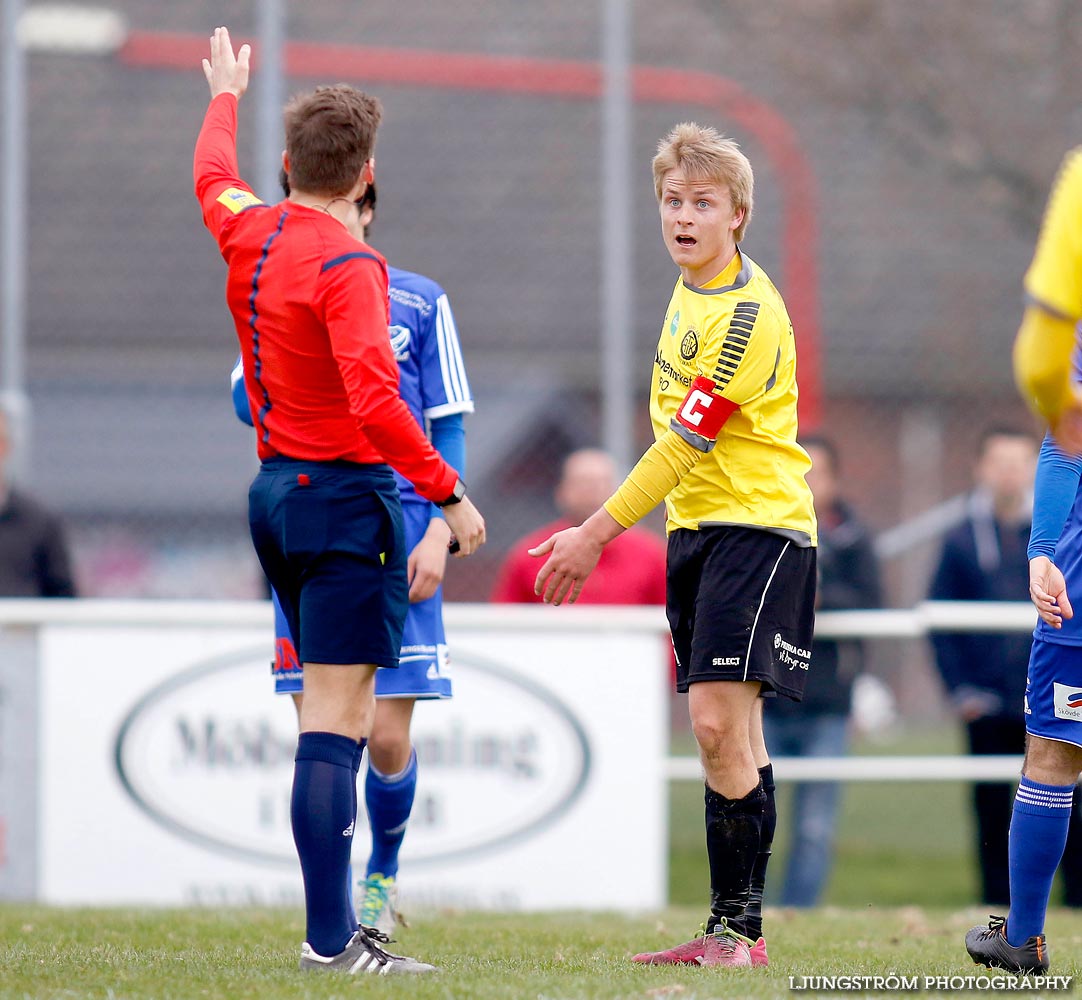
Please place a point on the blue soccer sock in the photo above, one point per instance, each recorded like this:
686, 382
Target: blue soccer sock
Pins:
1039, 824
389, 799
324, 811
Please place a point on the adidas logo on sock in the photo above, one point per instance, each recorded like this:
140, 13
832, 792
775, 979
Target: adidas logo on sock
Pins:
348, 831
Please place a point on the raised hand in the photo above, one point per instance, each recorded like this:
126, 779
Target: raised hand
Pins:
226, 73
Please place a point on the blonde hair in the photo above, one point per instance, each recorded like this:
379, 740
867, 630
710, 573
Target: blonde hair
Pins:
705, 154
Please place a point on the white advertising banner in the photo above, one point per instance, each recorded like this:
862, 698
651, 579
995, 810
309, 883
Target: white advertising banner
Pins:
165, 763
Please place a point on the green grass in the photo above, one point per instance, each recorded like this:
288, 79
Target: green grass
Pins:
139, 955
900, 900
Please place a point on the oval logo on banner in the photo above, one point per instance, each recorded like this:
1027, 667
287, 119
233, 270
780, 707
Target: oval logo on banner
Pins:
209, 755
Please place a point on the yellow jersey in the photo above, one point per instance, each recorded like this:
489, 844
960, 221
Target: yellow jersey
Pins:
1054, 278
735, 331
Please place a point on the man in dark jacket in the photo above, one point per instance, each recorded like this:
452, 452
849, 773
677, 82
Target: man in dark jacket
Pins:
984, 559
819, 725
33, 554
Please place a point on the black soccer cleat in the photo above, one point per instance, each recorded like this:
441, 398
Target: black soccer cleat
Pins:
988, 945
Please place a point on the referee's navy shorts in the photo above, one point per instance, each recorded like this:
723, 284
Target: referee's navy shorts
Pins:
329, 537
741, 607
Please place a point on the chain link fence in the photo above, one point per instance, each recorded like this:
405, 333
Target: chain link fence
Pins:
903, 153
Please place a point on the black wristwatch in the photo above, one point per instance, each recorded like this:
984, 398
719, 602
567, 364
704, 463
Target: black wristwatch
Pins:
456, 495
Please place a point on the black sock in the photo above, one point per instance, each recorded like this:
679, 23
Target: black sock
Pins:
733, 830
753, 917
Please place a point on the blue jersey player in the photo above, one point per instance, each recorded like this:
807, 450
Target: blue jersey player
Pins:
1053, 710
434, 387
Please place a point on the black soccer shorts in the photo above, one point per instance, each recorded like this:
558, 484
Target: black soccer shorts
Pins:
741, 607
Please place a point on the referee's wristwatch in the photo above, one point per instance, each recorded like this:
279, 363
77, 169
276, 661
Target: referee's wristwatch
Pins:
456, 496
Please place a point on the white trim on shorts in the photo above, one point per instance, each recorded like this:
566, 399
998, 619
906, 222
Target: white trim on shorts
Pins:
758, 611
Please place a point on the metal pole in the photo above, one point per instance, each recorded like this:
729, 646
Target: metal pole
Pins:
13, 242
269, 87
617, 330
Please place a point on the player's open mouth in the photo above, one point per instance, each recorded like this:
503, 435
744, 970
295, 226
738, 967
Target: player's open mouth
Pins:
686, 241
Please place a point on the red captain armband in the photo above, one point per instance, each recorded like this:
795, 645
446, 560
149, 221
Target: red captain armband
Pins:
702, 414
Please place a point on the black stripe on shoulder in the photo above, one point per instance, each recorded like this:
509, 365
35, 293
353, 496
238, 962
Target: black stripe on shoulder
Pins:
737, 337
335, 261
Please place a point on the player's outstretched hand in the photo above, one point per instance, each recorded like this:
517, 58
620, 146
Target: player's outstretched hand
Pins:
226, 73
467, 525
572, 556
1048, 591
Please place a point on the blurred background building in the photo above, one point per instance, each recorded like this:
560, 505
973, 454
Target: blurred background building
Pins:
902, 154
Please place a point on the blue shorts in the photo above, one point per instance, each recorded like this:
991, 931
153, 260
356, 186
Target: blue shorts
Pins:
1054, 692
422, 670
330, 538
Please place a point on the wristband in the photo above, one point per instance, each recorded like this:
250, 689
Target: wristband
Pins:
456, 496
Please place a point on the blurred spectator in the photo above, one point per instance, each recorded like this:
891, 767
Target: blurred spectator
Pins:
818, 726
984, 559
34, 559
632, 566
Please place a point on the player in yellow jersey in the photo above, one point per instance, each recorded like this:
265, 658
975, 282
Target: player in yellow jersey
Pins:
1045, 349
741, 551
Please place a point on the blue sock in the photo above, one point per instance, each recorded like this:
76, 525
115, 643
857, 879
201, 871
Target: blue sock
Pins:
389, 799
324, 811
1039, 824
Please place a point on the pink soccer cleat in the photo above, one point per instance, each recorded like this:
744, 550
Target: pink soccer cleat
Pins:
758, 953
720, 947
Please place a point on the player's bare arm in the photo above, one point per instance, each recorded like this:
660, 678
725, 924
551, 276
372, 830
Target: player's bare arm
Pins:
467, 525
572, 556
226, 73
428, 561
1048, 591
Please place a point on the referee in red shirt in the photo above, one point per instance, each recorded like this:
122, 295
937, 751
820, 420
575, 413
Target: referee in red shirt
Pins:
310, 307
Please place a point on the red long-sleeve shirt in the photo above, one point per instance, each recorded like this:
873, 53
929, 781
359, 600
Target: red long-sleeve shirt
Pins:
310, 307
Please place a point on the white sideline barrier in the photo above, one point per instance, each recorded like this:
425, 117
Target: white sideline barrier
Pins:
942, 616
929, 616
126, 685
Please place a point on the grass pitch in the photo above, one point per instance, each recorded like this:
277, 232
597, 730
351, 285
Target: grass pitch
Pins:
238, 954
899, 903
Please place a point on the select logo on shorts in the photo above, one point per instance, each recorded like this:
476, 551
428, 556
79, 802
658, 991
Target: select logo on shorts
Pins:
1067, 699
792, 656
